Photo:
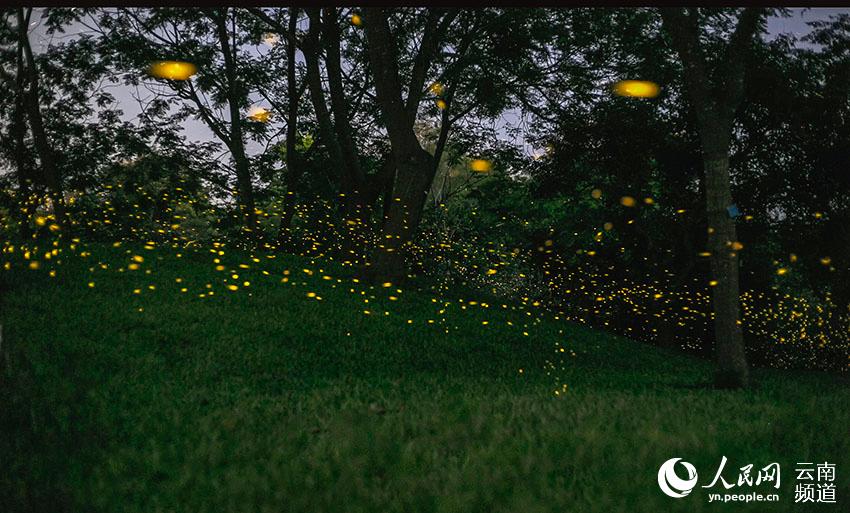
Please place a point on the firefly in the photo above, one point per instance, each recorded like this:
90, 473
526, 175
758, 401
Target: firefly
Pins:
356, 20
481, 166
173, 70
636, 89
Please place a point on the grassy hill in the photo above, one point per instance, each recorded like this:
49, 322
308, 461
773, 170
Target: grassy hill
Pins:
160, 389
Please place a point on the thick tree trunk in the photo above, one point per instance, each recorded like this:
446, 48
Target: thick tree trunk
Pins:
414, 166
715, 111
404, 212
731, 359
32, 104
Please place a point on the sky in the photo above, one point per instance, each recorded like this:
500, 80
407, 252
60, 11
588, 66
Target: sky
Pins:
195, 130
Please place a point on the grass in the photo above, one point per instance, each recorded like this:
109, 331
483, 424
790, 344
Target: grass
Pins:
264, 399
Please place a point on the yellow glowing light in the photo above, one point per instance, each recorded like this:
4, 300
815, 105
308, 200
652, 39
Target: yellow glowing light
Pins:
649, 201
608, 226
636, 89
737, 246
259, 114
173, 70
627, 201
436, 88
441, 104
781, 271
480, 166
825, 260
596, 193
356, 20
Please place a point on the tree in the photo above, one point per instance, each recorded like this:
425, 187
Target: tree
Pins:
15, 142
293, 166
415, 167
356, 188
27, 85
227, 74
715, 98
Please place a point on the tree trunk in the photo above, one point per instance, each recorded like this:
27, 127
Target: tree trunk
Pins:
731, 359
236, 143
26, 207
32, 103
715, 111
293, 167
317, 98
355, 213
414, 166
404, 212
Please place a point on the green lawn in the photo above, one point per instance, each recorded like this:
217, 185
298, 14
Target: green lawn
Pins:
265, 399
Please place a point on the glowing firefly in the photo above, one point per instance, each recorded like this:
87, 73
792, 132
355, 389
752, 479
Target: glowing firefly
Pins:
636, 89
480, 166
173, 70
356, 20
